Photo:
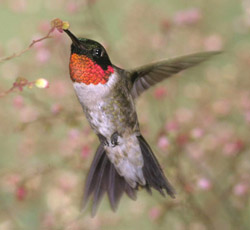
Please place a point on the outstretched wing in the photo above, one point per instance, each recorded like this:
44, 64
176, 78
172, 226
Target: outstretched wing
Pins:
144, 77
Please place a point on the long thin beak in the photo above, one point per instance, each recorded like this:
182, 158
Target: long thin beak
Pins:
74, 39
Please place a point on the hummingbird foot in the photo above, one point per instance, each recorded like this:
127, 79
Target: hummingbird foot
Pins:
103, 140
114, 139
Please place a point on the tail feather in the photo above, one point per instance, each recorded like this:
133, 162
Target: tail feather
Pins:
90, 183
101, 184
103, 177
116, 187
152, 170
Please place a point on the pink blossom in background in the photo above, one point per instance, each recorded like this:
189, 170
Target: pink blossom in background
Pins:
38, 45
18, 102
204, 184
21, 193
72, 7
57, 35
18, 5
56, 109
73, 134
233, 147
43, 55
213, 42
240, 189
172, 126
154, 213
247, 116
10, 182
187, 17
197, 133
44, 26
245, 100
163, 142
160, 93
86, 151
28, 114
48, 221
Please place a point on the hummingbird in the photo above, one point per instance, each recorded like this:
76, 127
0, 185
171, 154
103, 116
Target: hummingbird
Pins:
124, 162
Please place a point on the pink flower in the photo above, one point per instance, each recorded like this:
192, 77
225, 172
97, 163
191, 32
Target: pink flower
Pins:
85, 151
55, 109
28, 114
18, 5
72, 7
213, 42
21, 193
233, 147
163, 142
240, 189
18, 102
245, 100
172, 126
247, 116
73, 134
38, 45
44, 26
154, 213
197, 133
48, 221
43, 55
204, 184
160, 93
187, 17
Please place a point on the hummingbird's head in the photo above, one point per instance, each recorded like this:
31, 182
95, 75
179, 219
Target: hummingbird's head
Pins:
89, 61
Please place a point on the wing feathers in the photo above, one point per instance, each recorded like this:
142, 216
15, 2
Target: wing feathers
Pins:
144, 77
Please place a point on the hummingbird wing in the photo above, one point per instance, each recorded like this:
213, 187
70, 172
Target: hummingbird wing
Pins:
146, 76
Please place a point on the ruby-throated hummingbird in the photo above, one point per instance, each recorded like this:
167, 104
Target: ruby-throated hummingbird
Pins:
123, 162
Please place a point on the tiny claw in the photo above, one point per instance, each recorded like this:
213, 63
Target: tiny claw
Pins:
103, 140
114, 139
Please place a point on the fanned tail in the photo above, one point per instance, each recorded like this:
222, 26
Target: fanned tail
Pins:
103, 177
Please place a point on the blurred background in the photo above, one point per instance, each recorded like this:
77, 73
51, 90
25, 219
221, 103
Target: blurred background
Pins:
196, 122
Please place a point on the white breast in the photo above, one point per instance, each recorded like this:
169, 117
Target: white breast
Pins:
90, 95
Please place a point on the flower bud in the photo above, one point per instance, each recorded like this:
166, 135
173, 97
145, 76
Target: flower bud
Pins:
41, 83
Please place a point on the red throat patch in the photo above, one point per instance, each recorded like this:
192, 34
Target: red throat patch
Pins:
84, 70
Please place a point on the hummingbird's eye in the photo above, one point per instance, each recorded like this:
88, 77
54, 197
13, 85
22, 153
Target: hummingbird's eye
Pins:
97, 52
